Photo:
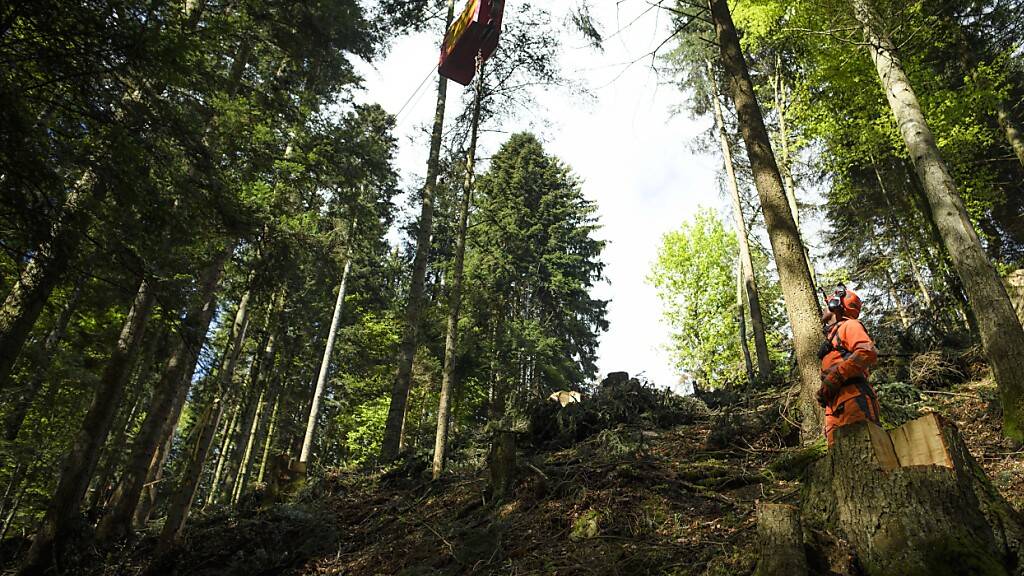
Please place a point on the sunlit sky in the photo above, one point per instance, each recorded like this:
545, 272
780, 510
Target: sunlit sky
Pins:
635, 158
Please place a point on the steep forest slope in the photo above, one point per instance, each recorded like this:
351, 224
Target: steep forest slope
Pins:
655, 484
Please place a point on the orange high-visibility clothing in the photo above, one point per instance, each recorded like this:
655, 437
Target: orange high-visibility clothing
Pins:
852, 355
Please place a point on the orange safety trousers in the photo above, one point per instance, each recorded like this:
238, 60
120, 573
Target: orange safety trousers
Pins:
855, 402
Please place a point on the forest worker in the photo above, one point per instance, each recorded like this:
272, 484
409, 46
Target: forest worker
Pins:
847, 356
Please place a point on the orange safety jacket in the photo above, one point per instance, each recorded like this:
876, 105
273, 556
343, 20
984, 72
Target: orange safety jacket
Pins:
849, 351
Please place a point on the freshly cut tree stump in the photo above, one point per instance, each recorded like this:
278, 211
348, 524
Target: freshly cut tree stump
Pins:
781, 541
911, 501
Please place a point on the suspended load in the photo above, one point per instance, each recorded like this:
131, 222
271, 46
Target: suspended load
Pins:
475, 32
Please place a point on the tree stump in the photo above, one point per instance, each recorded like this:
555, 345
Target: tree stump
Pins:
286, 476
501, 464
781, 541
912, 501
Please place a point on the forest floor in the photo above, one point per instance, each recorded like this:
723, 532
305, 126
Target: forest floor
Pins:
633, 499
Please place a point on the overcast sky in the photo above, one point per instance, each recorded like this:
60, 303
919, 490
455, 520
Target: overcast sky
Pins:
634, 157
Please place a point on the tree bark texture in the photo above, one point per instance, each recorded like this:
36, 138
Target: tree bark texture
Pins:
25, 301
455, 303
741, 322
764, 365
502, 464
392, 442
790, 259
16, 417
938, 519
325, 364
1001, 334
780, 541
166, 403
80, 463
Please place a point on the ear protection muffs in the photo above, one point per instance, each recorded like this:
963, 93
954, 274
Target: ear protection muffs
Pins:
835, 302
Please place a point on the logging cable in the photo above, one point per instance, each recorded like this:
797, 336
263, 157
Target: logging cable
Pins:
415, 93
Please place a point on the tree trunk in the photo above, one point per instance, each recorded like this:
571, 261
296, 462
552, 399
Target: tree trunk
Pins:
226, 436
181, 501
150, 490
764, 366
269, 441
794, 272
102, 483
741, 322
260, 427
392, 442
502, 465
16, 417
455, 304
232, 352
243, 447
781, 542
81, 462
911, 501
165, 406
243, 467
25, 301
896, 301
1012, 130
785, 158
1001, 334
325, 363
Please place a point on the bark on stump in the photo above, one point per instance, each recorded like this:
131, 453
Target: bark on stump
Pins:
501, 464
781, 541
911, 501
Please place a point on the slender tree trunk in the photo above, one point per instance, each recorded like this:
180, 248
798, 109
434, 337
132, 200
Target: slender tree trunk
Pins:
168, 398
11, 493
16, 417
785, 166
81, 462
150, 490
794, 273
325, 363
1001, 334
102, 483
232, 353
264, 362
911, 260
271, 397
455, 304
741, 322
227, 435
764, 366
392, 442
269, 440
1012, 130
786, 159
25, 301
9, 519
243, 468
181, 500
896, 301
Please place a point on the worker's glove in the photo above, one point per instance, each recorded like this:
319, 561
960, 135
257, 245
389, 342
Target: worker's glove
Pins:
821, 396
832, 378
